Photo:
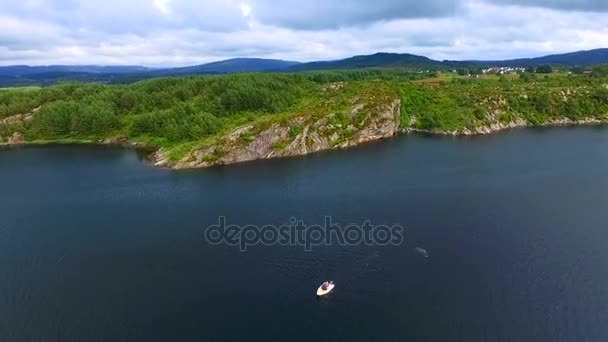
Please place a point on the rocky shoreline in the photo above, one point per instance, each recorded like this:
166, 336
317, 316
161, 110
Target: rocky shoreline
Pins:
300, 136
160, 159
498, 127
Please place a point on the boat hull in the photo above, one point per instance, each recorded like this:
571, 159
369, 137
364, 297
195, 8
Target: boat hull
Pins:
321, 292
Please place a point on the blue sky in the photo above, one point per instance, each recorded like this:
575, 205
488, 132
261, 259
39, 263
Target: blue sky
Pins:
186, 32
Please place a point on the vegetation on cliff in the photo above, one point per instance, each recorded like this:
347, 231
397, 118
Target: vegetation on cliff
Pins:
186, 114
174, 113
467, 103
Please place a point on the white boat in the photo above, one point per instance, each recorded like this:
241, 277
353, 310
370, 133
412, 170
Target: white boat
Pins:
325, 288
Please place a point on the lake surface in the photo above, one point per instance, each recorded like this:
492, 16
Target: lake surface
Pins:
96, 245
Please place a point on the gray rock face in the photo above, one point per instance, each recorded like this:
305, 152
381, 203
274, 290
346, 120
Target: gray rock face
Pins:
160, 158
120, 140
309, 134
16, 138
384, 125
18, 118
299, 136
500, 126
261, 147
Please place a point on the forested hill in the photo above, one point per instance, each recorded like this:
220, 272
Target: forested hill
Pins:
26, 70
395, 60
20, 75
46, 75
383, 60
232, 66
579, 58
205, 120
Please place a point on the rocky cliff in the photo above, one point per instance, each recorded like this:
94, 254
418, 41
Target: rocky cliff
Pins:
335, 116
494, 113
501, 126
16, 138
299, 135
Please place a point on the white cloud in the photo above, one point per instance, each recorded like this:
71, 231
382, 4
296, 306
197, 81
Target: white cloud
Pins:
163, 6
245, 9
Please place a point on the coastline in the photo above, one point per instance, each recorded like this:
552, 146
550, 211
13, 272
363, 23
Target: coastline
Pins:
499, 127
107, 142
309, 119
157, 159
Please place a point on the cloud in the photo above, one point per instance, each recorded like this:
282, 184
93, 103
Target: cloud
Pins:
577, 5
131, 16
331, 14
182, 32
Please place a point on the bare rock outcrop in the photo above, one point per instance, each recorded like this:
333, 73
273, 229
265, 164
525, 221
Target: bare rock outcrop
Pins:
260, 146
496, 125
300, 135
16, 139
19, 118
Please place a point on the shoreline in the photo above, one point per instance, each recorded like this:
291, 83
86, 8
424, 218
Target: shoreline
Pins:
153, 156
126, 145
500, 127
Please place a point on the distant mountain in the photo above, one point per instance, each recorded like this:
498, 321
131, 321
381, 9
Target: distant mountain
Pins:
579, 58
44, 75
22, 75
381, 59
26, 70
232, 66
395, 60
52, 77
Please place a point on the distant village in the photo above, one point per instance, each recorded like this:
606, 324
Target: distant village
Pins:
481, 71
502, 70
478, 71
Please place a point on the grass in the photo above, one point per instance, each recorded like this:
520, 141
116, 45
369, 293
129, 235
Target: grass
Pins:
177, 152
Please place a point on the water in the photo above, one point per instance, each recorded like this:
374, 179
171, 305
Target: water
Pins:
95, 245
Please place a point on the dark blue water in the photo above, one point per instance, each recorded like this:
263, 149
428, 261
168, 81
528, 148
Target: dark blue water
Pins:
96, 245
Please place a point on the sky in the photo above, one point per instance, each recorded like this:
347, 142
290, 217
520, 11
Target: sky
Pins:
189, 32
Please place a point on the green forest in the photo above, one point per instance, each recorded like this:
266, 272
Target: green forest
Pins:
184, 111
469, 103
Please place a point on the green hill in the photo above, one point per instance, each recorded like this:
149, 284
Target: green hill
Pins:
205, 120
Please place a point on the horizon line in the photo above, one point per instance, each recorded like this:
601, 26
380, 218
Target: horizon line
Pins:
293, 61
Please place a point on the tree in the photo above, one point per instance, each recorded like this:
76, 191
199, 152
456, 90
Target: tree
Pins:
577, 70
572, 109
126, 100
600, 70
601, 94
542, 102
480, 112
475, 70
463, 71
525, 77
544, 69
